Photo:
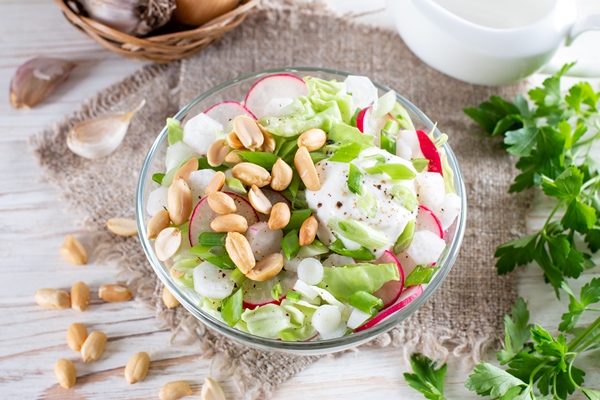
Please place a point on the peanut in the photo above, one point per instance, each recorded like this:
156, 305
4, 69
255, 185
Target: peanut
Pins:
168, 299
266, 268
239, 250
93, 347
122, 226
175, 390
258, 200
157, 223
280, 216
114, 293
76, 335
229, 223
65, 372
251, 174
308, 231
186, 169
167, 243
216, 183
281, 175
137, 367
179, 202
217, 152
312, 139
53, 298
221, 203
306, 169
73, 251
80, 296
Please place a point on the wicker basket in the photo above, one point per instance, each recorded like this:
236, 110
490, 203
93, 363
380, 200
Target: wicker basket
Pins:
162, 48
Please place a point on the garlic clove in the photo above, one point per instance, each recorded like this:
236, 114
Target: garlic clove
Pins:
98, 137
36, 79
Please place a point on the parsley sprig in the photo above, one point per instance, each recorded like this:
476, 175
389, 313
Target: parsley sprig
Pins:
553, 136
538, 364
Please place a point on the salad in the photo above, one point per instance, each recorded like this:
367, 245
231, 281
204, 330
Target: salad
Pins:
311, 210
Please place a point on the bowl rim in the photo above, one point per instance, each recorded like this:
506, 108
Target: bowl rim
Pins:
310, 347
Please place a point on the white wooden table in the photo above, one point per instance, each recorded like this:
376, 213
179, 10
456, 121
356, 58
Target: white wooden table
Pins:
33, 223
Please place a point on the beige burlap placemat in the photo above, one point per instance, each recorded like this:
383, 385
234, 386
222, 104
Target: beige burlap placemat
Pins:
464, 316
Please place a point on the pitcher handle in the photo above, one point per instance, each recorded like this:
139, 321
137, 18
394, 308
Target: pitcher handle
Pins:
584, 68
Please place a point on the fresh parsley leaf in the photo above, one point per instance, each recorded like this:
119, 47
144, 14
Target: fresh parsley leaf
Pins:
521, 141
517, 332
489, 380
566, 186
426, 378
517, 252
579, 216
591, 394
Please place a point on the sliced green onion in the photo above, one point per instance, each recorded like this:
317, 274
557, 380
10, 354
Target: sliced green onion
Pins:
401, 115
279, 141
368, 204
358, 232
203, 164
212, 238
314, 249
261, 158
291, 244
406, 237
293, 296
347, 152
288, 148
175, 133
297, 218
420, 275
235, 185
201, 251
388, 136
365, 302
362, 254
394, 171
355, 179
405, 196
378, 158
223, 262
184, 228
299, 204
420, 163
294, 184
354, 117
317, 156
238, 277
277, 291
232, 307
158, 178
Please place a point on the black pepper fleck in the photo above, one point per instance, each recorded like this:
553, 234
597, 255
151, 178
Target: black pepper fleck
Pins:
339, 204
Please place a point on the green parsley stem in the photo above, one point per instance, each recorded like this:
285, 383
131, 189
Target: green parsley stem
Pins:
587, 344
574, 344
588, 140
556, 208
535, 371
593, 181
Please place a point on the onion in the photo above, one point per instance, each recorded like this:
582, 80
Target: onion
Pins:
198, 12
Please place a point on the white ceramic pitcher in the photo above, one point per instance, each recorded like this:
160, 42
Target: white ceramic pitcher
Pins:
490, 42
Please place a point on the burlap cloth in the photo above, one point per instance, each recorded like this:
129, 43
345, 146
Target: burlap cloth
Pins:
464, 316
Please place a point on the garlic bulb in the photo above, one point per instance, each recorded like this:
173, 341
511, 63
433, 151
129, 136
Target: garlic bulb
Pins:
98, 137
198, 12
36, 79
133, 17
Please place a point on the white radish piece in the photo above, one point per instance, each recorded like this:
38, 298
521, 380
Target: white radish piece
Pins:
305, 290
291, 265
357, 318
407, 297
310, 271
369, 125
263, 240
326, 319
449, 210
272, 87
200, 132
337, 333
157, 200
410, 139
363, 92
203, 215
426, 248
408, 264
430, 189
177, 154
212, 282
274, 107
427, 221
258, 294
337, 260
198, 181
225, 112
403, 149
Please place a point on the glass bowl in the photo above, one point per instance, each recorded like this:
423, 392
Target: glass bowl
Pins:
236, 90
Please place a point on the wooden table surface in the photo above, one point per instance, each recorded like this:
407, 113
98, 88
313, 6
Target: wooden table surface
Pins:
33, 223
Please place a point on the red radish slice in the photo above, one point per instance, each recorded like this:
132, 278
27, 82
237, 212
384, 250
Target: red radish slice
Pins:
430, 152
273, 86
258, 294
427, 221
203, 215
390, 291
407, 296
369, 125
225, 112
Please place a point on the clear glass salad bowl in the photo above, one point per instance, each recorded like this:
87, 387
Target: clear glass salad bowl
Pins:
236, 90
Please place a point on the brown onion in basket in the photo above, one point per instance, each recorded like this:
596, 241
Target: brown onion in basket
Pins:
198, 12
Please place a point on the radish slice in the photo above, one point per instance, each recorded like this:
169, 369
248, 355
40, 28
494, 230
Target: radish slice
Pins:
270, 87
336, 260
390, 291
157, 200
426, 248
408, 264
367, 124
407, 296
449, 210
203, 215
200, 132
212, 281
431, 189
427, 221
430, 152
263, 240
364, 93
275, 106
274, 197
258, 294
225, 112
407, 144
